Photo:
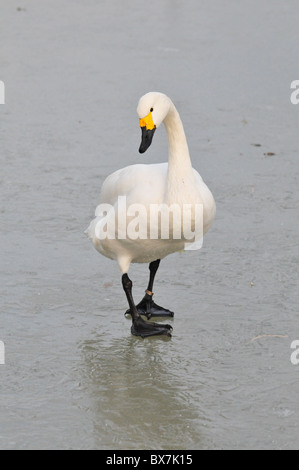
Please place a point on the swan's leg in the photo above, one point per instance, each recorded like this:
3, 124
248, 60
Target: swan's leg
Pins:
139, 326
147, 306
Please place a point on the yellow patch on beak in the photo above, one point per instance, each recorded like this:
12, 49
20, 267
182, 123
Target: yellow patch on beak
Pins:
147, 122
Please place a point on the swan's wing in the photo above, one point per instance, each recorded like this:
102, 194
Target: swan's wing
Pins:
139, 183
208, 201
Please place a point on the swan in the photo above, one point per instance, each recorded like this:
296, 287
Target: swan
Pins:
137, 189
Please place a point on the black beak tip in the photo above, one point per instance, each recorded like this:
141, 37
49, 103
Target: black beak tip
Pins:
146, 139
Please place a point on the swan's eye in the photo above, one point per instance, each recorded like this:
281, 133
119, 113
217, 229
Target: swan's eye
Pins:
151, 110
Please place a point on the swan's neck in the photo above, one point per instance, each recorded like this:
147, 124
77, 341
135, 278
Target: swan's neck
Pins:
180, 172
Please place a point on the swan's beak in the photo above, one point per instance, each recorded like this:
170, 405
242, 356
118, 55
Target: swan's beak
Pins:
148, 129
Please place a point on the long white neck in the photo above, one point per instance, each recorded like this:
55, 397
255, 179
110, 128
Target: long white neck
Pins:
180, 172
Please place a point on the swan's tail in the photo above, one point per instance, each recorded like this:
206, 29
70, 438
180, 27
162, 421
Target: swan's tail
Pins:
90, 231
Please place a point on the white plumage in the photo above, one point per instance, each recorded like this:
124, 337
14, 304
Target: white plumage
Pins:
137, 189
173, 182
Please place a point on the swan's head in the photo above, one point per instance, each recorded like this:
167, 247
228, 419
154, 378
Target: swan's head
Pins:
152, 109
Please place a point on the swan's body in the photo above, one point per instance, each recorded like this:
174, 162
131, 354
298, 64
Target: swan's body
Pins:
146, 185
175, 182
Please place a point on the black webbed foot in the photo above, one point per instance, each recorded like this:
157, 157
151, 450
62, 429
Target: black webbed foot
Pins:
150, 309
144, 329
139, 326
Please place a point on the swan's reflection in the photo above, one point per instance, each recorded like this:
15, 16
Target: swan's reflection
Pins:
138, 396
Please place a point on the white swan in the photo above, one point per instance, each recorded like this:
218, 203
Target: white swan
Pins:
173, 183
